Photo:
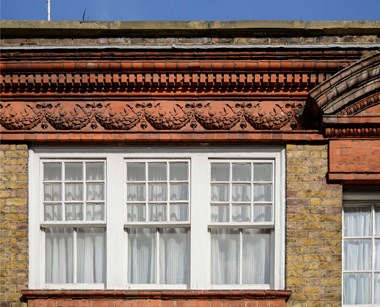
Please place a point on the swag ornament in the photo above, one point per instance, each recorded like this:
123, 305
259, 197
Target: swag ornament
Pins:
148, 116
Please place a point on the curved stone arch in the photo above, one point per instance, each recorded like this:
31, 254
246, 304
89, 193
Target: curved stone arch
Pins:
348, 109
349, 86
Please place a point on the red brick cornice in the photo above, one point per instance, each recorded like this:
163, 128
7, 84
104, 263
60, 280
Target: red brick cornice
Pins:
164, 295
56, 74
126, 79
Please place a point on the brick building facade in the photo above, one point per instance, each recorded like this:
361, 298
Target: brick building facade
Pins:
286, 113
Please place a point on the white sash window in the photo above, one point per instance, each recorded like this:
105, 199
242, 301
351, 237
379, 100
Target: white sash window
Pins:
156, 218
361, 249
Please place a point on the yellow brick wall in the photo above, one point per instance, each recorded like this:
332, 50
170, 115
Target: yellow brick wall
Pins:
13, 223
313, 229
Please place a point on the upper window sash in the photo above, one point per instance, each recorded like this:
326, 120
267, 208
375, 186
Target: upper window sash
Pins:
157, 192
73, 191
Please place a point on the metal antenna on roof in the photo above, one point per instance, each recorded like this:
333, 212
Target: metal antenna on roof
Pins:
48, 9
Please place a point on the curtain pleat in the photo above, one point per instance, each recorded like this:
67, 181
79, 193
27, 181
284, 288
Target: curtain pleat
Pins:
58, 256
256, 257
91, 255
225, 256
174, 256
141, 256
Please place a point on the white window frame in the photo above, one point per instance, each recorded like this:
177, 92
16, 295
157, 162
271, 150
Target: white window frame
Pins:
356, 199
199, 159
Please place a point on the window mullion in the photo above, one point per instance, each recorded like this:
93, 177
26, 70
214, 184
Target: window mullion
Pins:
75, 257
230, 194
84, 191
373, 254
63, 196
200, 262
240, 256
157, 256
115, 184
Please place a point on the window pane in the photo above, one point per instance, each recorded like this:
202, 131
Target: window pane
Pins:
73, 191
74, 212
241, 171
52, 192
179, 212
262, 192
220, 192
377, 254
262, 172
52, 171
135, 171
136, 212
220, 213
141, 256
73, 171
95, 212
59, 255
157, 171
357, 255
256, 256
95, 171
157, 192
136, 192
174, 256
179, 171
241, 212
53, 212
377, 288
262, 213
179, 191
356, 288
157, 212
220, 171
95, 191
91, 256
241, 192
357, 221
225, 256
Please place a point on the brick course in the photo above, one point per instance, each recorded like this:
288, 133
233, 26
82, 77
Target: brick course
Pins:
354, 159
13, 223
313, 229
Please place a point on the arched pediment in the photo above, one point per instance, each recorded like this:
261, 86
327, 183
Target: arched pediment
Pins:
349, 102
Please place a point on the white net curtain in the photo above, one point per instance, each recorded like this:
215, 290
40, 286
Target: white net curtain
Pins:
172, 265
226, 258
60, 259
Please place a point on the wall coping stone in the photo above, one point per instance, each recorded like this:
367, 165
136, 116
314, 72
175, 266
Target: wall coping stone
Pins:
248, 28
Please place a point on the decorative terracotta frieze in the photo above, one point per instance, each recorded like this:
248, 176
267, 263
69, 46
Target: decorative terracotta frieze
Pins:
150, 116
